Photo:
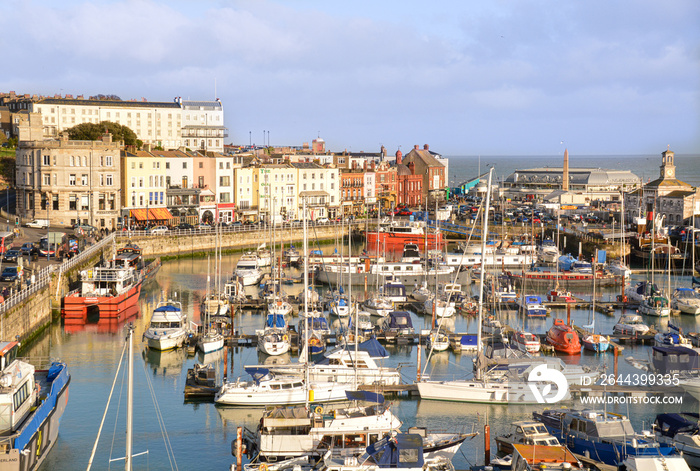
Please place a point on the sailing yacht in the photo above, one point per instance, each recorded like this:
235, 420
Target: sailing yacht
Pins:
274, 339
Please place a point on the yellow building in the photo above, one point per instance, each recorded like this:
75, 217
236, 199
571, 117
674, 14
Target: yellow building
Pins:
144, 188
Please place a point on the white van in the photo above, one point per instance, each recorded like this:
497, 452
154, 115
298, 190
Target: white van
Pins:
39, 223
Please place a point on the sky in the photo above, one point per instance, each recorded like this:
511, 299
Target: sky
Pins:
467, 77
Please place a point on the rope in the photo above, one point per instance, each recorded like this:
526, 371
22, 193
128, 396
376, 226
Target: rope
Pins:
94, 448
161, 421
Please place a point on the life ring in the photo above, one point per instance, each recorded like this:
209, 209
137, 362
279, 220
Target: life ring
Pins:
285, 338
313, 342
318, 410
263, 467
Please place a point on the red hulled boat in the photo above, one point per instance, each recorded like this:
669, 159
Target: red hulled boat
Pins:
564, 338
105, 293
394, 235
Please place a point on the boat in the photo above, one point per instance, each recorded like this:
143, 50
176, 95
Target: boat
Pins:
318, 330
210, 339
394, 290
338, 365
411, 253
526, 342
596, 342
398, 451
640, 291
559, 296
397, 323
569, 263
564, 338
394, 235
656, 463
248, 270
604, 436
215, 304
532, 306
35, 399
291, 432
270, 389
538, 458
526, 432
675, 360
441, 305
656, 305
437, 340
492, 257
618, 268
547, 252
378, 306
520, 368
686, 300
538, 278
106, 292
340, 306
630, 324
168, 328
131, 256
691, 386
681, 432
291, 255
491, 325
672, 338
421, 293
374, 273
264, 255
502, 293
273, 339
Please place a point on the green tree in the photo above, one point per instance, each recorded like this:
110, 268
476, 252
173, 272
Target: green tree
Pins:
94, 132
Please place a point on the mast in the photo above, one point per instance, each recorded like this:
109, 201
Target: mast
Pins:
306, 307
350, 296
484, 232
129, 400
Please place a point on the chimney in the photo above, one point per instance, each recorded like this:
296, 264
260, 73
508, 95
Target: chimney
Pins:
412, 168
364, 166
425, 147
415, 147
373, 166
565, 175
399, 155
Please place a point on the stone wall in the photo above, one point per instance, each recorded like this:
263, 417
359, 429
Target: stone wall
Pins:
28, 318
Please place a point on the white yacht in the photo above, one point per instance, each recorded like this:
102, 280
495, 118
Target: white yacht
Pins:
421, 293
168, 327
274, 339
686, 300
248, 270
630, 324
442, 307
378, 306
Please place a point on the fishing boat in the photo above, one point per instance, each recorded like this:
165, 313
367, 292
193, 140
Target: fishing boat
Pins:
35, 399
532, 306
608, 437
394, 235
564, 338
526, 342
526, 432
269, 389
106, 292
274, 338
168, 328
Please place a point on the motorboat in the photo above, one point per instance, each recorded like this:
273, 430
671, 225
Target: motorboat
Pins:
34, 398
394, 290
607, 436
527, 432
559, 296
656, 463
411, 253
538, 458
595, 342
264, 255
248, 270
547, 252
526, 342
630, 324
691, 386
680, 431
572, 264
269, 389
532, 306
564, 338
503, 294
618, 268
673, 338
273, 339
397, 323
279, 307
291, 255
215, 305
675, 360
686, 300
520, 368
168, 328
378, 306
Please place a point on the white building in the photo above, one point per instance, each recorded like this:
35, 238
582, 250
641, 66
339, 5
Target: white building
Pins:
203, 125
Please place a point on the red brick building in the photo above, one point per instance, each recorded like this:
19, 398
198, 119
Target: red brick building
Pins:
410, 185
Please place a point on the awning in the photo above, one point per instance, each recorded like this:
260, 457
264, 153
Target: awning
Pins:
151, 214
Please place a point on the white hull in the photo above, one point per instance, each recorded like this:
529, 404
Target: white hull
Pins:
690, 307
273, 342
167, 340
629, 330
249, 277
478, 392
656, 311
211, 342
234, 394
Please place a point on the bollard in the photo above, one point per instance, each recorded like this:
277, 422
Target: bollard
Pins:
239, 448
487, 444
418, 366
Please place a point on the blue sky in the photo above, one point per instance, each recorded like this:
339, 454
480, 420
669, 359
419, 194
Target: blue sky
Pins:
518, 77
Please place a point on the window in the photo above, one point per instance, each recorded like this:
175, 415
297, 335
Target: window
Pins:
228, 165
167, 165
72, 202
54, 201
109, 181
84, 179
184, 165
133, 164
47, 179
71, 179
200, 181
225, 181
72, 161
140, 164
201, 164
102, 180
141, 182
84, 202
47, 160
224, 198
108, 161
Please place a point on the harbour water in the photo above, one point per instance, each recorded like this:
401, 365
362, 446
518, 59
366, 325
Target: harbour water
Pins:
201, 433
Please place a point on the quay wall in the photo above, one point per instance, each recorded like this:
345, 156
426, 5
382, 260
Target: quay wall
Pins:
27, 318
185, 244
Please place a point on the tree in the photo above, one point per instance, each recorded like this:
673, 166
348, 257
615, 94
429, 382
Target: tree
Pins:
108, 97
94, 132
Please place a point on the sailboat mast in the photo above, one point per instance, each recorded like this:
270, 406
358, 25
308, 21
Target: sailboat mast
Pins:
306, 306
484, 233
129, 400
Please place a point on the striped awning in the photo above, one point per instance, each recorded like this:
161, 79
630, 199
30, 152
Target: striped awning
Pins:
151, 214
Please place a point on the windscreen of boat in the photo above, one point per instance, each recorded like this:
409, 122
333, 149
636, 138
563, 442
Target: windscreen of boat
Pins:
610, 429
247, 265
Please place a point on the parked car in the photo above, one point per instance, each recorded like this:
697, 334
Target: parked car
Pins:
322, 221
9, 274
26, 248
405, 212
237, 223
203, 227
159, 230
184, 226
11, 255
39, 223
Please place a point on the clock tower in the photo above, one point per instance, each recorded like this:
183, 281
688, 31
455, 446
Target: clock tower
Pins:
668, 170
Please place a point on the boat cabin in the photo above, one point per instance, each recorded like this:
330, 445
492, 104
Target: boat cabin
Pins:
128, 256
674, 360
17, 388
107, 281
399, 322
536, 458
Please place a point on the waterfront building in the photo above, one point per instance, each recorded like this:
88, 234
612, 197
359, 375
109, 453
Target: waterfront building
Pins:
246, 193
274, 182
320, 185
433, 172
144, 188
667, 197
352, 191
203, 125
386, 184
67, 182
410, 184
224, 190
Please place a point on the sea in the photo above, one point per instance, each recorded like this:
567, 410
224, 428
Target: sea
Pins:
172, 433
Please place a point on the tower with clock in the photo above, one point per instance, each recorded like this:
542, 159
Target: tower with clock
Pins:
668, 170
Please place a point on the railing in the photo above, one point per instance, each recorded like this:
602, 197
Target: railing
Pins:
43, 278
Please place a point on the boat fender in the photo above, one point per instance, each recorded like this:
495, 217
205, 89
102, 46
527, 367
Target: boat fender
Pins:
318, 410
263, 467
